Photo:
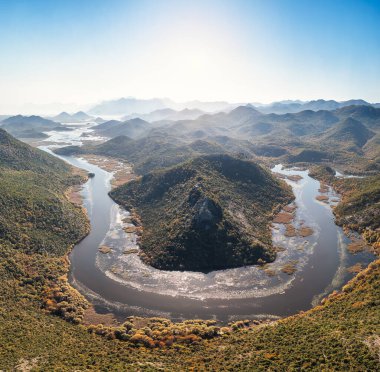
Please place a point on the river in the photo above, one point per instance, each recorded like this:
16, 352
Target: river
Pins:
120, 283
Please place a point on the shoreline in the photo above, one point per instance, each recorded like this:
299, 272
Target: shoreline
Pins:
93, 317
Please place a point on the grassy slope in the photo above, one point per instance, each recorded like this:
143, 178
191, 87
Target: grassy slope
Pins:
339, 335
38, 224
148, 153
360, 207
34, 215
209, 213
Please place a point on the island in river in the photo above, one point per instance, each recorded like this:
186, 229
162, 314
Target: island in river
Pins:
210, 213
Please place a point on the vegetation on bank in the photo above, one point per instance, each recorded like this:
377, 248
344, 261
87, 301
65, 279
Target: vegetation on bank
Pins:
35, 217
38, 224
359, 208
341, 334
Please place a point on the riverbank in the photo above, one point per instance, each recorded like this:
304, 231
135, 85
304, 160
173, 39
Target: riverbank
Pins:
121, 284
125, 277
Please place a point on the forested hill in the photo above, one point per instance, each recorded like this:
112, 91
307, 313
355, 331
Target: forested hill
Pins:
34, 214
210, 213
17, 155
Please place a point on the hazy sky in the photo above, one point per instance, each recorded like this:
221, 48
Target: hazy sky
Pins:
85, 51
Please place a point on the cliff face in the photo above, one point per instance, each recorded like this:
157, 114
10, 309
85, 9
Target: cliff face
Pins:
210, 213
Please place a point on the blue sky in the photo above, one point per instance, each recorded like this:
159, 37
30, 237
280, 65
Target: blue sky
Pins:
88, 50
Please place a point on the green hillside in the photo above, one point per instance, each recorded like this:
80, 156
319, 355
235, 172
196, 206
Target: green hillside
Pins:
210, 213
349, 132
34, 215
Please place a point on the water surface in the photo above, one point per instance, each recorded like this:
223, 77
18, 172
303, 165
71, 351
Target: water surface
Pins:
121, 283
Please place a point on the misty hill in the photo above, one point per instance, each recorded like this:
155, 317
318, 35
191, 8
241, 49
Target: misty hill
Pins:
310, 156
63, 117
79, 116
168, 114
367, 115
305, 136
133, 128
210, 213
349, 132
134, 106
128, 106
99, 120
3, 117
147, 153
29, 126
246, 122
284, 107
213, 106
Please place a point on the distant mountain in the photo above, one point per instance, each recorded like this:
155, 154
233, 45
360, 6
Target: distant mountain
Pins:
168, 114
106, 125
128, 106
99, 120
368, 115
63, 117
349, 132
3, 117
284, 107
210, 213
133, 128
148, 153
243, 115
209, 106
29, 126
79, 116
134, 107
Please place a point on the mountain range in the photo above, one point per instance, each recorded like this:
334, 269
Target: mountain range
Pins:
79, 116
29, 126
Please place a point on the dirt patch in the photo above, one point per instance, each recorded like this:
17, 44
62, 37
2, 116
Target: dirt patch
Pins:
305, 231
27, 365
270, 272
373, 343
323, 188
322, 198
283, 217
130, 251
356, 246
294, 178
73, 195
355, 269
104, 249
92, 317
290, 267
289, 208
290, 231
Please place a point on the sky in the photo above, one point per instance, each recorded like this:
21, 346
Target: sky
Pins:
84, 51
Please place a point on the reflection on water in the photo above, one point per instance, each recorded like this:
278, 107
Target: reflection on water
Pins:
120, 282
